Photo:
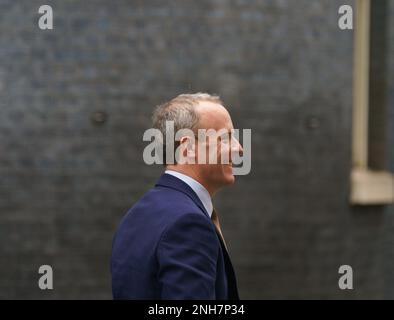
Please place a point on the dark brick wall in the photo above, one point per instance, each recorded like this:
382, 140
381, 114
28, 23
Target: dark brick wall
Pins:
284, 69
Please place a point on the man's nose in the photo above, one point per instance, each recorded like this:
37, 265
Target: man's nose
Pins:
236, 148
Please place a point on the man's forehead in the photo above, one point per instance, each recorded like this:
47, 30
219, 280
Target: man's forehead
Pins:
213, 116
208, 110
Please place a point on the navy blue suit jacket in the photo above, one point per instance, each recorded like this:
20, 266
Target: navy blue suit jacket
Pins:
167, 247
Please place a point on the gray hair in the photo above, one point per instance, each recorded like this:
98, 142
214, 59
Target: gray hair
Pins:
182, 111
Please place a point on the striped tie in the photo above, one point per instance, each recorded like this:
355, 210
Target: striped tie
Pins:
215, 220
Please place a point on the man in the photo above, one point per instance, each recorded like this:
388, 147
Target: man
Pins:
169, 245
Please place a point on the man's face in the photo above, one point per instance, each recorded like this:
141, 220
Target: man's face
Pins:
215, 116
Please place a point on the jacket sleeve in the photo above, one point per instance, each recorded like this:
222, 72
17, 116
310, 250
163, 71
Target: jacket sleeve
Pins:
187, 255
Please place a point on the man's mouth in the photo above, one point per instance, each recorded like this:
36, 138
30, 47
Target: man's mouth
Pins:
234, 165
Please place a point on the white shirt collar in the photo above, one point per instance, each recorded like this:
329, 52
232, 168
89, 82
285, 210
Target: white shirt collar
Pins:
197, 187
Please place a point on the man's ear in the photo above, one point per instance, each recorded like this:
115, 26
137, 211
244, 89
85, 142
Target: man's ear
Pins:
187, 149
191, 150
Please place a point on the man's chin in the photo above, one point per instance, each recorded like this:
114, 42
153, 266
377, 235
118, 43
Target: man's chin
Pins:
228, 174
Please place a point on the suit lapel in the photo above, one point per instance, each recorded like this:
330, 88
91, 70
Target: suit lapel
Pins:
169, 181
231, 279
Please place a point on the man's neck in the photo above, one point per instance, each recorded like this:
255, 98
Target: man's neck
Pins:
189, 171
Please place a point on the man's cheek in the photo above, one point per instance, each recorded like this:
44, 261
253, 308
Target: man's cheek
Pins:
225, 155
